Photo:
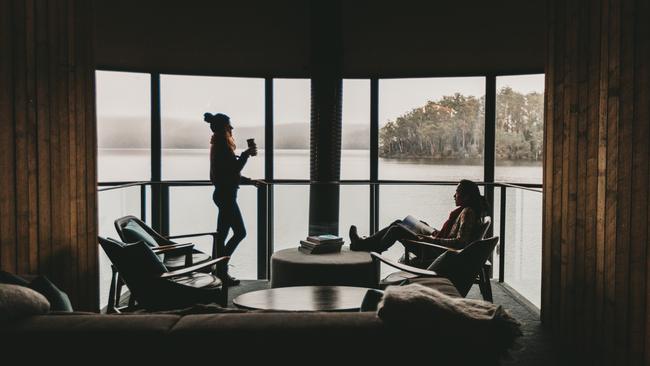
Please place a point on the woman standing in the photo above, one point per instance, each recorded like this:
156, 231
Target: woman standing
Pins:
225, 169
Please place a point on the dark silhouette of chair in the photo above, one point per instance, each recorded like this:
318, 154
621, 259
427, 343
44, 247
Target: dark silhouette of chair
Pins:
461, 267
174, 255
427, 253
154, 287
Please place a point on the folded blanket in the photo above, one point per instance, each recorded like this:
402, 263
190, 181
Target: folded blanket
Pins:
473, 321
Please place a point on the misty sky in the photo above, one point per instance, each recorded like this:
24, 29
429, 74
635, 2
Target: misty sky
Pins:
188, 97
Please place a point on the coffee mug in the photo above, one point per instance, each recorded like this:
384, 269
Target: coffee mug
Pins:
251, 144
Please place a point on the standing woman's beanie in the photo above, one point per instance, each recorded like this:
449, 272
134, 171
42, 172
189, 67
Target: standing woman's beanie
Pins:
219, 118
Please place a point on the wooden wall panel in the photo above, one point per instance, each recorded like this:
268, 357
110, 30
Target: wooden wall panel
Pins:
596, 208
48, 222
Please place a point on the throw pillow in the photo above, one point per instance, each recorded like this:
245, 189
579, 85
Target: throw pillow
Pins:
134, 233
12, 279
59, 300
18, 301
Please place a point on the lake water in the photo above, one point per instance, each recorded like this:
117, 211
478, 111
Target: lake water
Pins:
192, 210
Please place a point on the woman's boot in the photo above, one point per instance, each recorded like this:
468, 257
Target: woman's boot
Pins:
222, 273
365, 244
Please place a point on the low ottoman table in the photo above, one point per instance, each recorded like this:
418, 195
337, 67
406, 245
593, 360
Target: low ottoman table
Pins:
291, 267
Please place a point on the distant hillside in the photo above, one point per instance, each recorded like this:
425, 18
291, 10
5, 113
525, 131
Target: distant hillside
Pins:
186, 134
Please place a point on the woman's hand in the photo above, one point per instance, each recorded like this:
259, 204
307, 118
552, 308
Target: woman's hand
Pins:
251, 151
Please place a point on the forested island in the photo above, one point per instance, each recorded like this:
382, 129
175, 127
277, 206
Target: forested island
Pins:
453, 127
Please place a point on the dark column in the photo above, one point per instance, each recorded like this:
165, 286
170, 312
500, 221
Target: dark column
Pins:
326, 100
490, 137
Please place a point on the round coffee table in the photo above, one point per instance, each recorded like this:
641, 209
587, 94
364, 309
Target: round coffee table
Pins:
304, 298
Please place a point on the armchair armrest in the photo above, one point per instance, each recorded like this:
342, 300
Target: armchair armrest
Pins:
177, 248
427, 244
195, 268
213, 233
172, 247
404, 267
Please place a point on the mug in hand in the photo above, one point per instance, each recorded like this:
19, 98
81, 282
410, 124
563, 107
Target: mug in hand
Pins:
251, 144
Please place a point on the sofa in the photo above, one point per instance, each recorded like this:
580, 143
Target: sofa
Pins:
238, 336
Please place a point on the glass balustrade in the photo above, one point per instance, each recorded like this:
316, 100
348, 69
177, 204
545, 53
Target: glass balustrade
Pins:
191, 210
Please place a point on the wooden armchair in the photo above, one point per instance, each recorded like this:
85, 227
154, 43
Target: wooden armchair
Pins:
422, 254
153, 286
174, 255
462, 267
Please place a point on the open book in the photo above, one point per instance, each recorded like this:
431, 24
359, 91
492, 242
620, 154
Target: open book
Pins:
416, 226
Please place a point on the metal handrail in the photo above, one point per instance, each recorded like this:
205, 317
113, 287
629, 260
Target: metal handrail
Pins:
119, 185
533, 187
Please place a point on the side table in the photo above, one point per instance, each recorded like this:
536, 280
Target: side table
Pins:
291, 267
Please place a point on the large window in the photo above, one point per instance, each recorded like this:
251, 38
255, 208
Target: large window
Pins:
186, 137
123, 126
431, 128
355, 139
519, 129
291, 108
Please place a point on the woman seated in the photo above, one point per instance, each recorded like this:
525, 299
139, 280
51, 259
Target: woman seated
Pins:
461, 228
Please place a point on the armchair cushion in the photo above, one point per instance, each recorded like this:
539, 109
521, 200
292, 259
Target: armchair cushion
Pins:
134, 233
147, 261
18, 301
445, 263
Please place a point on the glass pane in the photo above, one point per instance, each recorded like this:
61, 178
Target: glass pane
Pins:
291, 116
431, 128
191, 210
354, 209
290, 215
523, 242
186, 137
520, 129
355, 139
123, 126
111, 205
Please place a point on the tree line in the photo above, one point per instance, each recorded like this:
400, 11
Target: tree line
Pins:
452, 127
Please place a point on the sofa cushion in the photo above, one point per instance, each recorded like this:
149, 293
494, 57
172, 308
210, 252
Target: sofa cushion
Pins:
17, 302
134, 233
473, 321
441, 284
59, 300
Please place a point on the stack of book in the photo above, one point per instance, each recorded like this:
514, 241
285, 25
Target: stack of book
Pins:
321, 244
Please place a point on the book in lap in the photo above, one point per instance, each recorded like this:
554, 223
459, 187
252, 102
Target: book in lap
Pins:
416, 226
